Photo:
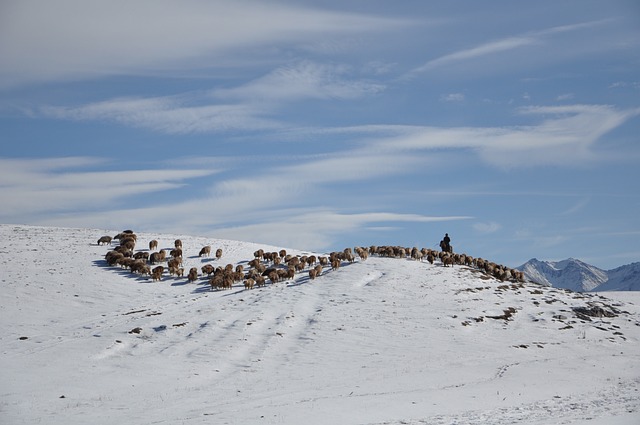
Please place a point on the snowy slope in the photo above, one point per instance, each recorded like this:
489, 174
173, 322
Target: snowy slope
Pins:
579, 276
381, 341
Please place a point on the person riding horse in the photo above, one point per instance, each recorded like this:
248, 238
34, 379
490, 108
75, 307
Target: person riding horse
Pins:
445, 244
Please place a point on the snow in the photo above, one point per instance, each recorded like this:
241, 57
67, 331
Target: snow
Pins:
381, 341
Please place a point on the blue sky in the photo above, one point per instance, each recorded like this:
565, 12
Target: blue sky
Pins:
513, 126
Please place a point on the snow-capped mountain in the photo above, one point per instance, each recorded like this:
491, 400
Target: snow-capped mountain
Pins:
579, 276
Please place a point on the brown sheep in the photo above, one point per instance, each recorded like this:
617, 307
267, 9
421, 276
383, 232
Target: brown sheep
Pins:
193, 275
154, 258
105, 240
137, 266
156, 273
175, 262
218, 253
293, 262
112, 257
290, 273
447, 260
260, 281
207, 269
274, 277
177, 243
153, 245
282, 253
313, 273
128, 244
312, 260
175, 253
335, 264
206, 251
249, 283
215, 281
141, 255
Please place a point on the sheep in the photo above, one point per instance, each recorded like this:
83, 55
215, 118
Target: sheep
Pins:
249, 283
218, 253
137, 266
335, 264
430, 258
447, 260
153, 245
227, 282
105, 240
141, 256
282, 253
175, 253
156, 273
362, 253
312, 260
290, 273
259, 254
175, 262
193, 275
123, 250
260, 281
207, 269
293, 262
112, 257
154, 258
206, 251
177, 243
274, 277
215, 282
128, 243
160, 256
126, 234
313, 273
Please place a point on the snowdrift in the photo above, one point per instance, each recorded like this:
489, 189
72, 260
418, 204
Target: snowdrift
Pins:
381, 341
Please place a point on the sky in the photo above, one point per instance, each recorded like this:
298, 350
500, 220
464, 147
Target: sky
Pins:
512, 126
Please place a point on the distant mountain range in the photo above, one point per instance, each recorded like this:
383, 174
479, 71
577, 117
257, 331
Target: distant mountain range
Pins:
582, 277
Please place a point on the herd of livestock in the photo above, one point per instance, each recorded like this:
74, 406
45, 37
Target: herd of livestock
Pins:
272, 267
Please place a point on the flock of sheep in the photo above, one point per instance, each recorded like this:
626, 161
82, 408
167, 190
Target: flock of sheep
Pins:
272, 266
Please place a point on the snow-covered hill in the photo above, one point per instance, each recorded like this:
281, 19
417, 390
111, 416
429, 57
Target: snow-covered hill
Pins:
579, 276
379, 341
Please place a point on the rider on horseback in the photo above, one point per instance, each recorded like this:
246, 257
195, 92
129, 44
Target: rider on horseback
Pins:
445, 244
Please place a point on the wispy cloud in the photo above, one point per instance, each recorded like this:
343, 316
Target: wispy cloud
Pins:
487, 228
44, 42
500, 46
570, 132
248, 107
42, 186
303, 80
174, 115
452, 97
